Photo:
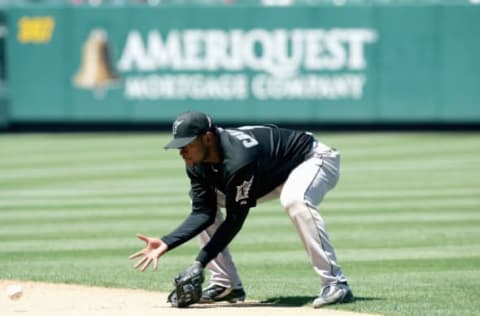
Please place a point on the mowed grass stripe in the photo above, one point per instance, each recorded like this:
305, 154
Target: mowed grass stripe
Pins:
257, 256
409, 152
405, 233
451, 200
160, 182
404, 217
372, 166
97, 169
419, 180
288, 239
73, 166
166, 188
436, 193
176, 185
76, 158
64, 143
66, 202
360, 145
83, 179
395, 150
330, 209
254, 238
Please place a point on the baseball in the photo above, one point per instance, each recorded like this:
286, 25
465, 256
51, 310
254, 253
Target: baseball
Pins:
14, 291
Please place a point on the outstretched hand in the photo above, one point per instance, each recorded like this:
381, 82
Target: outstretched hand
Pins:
153, 250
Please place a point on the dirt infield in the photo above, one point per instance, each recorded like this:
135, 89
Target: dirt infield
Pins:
45, 299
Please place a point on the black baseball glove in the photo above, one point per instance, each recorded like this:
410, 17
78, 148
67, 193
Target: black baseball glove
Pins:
188, 286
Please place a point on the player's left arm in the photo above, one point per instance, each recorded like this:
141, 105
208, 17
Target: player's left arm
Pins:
239, 199
224, 235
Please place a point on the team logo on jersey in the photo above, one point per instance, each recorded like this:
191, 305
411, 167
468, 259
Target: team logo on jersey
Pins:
243, 191
176, 124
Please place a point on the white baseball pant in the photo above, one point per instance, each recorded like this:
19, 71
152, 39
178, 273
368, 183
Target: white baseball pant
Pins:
299, 195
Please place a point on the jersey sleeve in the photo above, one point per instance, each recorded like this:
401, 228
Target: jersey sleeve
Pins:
202, 193
204, 208
195, 223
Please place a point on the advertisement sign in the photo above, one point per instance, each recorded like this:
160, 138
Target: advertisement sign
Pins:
250, 64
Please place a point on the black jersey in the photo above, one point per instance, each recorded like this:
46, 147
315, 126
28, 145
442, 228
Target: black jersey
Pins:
255, 160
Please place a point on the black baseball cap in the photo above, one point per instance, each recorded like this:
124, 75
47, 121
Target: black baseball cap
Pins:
187, 126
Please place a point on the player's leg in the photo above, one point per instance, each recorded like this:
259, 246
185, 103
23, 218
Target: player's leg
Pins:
304, 189
225, 283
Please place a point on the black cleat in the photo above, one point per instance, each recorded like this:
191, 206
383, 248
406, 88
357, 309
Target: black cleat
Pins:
217, 293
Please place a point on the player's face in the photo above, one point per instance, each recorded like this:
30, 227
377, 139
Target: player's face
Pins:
195, 152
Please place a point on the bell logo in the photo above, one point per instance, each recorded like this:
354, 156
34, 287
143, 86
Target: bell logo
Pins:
96, 70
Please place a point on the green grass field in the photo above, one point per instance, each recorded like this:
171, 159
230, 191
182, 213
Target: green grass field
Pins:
405, 219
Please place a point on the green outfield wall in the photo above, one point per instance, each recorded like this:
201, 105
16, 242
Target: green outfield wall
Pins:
349, 64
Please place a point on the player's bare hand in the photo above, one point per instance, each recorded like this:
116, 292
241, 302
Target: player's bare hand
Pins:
153, 250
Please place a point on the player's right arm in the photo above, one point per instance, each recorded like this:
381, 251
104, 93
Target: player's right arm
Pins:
202, 215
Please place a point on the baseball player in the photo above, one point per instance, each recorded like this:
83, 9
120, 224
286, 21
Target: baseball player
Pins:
235, 169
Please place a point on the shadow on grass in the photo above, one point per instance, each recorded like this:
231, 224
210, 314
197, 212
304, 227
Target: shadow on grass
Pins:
304, 300
282, 301
293, 301
288, 300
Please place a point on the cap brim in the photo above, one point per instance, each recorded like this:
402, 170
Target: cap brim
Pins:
180, 142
